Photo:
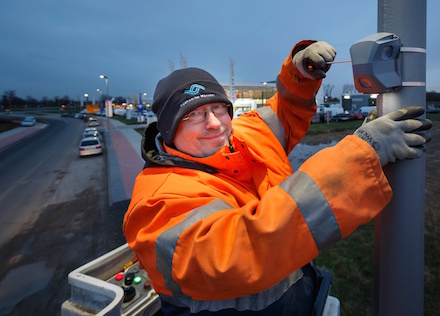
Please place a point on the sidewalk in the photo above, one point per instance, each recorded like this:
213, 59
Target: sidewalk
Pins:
122, 148
10, 137
124, 158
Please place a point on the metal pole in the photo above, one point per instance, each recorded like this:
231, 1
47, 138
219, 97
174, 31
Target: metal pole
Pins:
106, 99
399, 229
108, 114
106, 85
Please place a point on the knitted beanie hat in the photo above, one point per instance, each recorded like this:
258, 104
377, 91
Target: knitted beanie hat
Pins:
181, 92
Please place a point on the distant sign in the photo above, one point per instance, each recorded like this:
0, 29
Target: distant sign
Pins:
92, 108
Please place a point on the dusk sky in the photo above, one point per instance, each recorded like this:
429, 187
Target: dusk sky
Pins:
58, 48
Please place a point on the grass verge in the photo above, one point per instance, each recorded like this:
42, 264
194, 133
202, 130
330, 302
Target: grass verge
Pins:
122, 119
351, 263
7, 125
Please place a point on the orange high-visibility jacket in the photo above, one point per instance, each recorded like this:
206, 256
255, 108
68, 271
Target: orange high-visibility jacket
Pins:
236, 227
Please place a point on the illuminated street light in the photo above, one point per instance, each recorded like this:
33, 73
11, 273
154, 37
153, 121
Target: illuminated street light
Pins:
106, 98
106, 83
100, 101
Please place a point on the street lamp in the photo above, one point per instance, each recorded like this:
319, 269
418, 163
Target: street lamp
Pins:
100, 101
106, 98
145, 96
106, 83
87, 98
107, 109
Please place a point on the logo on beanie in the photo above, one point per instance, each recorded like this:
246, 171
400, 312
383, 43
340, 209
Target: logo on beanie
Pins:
194, 89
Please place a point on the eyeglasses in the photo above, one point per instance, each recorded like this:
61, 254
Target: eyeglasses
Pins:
199, 116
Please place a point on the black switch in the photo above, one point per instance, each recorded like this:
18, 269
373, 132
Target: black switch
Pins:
129, 293
129, 278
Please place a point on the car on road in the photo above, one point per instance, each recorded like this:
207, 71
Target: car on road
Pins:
90, 146
28, 121
93, 122
91, 133
87, 129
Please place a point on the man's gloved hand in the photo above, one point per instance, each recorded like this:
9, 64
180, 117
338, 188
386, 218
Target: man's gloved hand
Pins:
312, 60
397, 135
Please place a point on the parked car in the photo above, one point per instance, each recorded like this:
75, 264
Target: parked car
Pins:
90, 129
87, 117
432, 109
80, 115
359, 115
28, 121
90, 146
150, 117
91, 133
343, 117
120, 112
93, 122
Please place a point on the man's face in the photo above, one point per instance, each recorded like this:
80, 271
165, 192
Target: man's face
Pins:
204, 138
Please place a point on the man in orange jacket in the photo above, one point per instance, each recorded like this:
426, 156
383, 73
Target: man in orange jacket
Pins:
219, 219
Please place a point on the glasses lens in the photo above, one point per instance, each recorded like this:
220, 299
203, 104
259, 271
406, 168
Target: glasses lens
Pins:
219, 109
199, 116
196, 116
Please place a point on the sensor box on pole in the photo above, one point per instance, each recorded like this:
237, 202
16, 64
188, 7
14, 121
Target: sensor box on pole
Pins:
375, 62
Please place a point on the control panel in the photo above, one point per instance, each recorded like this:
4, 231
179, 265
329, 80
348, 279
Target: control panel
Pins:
136, 285
113, 284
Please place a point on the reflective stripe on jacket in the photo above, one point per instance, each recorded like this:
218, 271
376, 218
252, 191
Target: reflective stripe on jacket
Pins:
237, 237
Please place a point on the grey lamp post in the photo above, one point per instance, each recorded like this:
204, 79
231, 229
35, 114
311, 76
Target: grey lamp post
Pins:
100, 97
106, 97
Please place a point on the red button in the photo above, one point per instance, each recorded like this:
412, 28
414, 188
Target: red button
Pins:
119, 276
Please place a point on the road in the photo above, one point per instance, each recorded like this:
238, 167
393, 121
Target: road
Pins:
54, 217
31, 172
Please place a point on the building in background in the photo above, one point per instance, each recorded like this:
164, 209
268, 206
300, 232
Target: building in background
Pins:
354, 102
259, 91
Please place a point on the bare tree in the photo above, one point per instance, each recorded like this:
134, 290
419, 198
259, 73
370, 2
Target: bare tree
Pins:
183, 62
348, 89
327, 89
9, 96
171, 65
32, 102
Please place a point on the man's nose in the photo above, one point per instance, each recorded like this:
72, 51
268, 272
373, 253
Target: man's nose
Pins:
211, 120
